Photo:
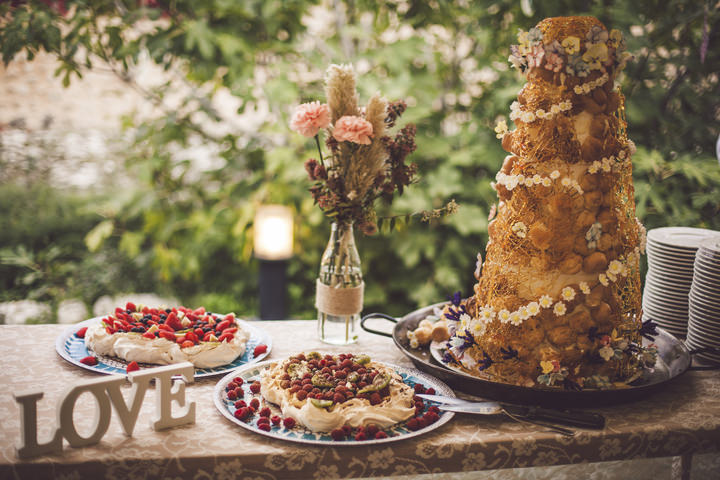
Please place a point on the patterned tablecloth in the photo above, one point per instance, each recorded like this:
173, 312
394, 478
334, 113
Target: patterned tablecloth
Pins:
683, 419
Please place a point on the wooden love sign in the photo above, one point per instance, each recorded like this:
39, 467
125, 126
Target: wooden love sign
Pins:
106, 392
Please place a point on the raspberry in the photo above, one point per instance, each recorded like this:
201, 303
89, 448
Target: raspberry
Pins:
231, 386
289, 422
132, 366
372, 430
375, 398
81, 333
420, 405
130, 306
238, 381
360, 436
89, 360
255, 387
301, 395
434, 409
242, 413
419, 388
412, 424
275, 419
338, 398
255, 403
259, 350
338, 434
422, 422
265, 427
232, 395
430, 391
431, 417
347, 429
239, 392
380, 435
240, 404
265, 412
262, 420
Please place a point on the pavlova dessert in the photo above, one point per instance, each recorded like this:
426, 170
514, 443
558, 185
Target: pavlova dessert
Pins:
167, 335
325, 392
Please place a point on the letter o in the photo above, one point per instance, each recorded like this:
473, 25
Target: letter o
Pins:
101, 421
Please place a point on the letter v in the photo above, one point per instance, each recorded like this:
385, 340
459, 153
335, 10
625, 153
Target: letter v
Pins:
128, 416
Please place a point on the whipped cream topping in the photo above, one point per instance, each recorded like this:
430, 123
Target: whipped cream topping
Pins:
133, 346
395, 408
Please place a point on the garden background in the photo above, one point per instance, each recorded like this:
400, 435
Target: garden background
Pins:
164, 201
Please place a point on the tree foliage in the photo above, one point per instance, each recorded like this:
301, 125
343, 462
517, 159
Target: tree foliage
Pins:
192, 228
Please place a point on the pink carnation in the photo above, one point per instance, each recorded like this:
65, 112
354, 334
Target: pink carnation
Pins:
353, 129
309, 118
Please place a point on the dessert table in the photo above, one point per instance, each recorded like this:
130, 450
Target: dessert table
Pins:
681, 421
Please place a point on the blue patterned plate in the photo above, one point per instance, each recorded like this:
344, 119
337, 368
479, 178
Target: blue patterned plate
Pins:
250, 373
73, 349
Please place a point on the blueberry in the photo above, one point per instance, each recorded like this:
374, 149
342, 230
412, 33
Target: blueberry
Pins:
163, 316
167, 310
207, 329
137, 329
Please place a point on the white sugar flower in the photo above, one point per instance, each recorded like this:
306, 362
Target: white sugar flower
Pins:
584, 288
524, 313
606, 352
555, 109
527, 117
511, 181
504, 316
487, 314
520, 229
465, 320
565, 105
515, 318
478, 328
529, 182
515, 106
546, 182
612, 277
621, 154
603, 279
586, 88
578, 89
520, 178
537, 179
555, 175
546, 301
615, 267
540, 113
559, 309
568, 293
533, 308
565, 182
414, 343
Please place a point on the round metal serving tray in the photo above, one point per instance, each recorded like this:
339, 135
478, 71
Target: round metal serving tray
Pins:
674, 359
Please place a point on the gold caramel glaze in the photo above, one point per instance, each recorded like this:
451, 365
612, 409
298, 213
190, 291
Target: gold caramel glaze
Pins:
557, 218
559, 28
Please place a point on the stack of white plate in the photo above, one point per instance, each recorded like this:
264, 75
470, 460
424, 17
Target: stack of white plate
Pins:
671, 258
704, 321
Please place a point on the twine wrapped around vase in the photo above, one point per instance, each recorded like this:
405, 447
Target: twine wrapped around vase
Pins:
339, 301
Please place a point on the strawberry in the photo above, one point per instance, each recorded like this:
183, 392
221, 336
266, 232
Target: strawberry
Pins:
132, 366
187, 344
199, 311
259, 350
222, 325
289, 422
89, 360
230, 330
191, 336
130, 306
167, 335
109, 330
173, 321
230, 317
81, 333
167, 328
226, 337
149, 335
119, 311
146, 310
199, 332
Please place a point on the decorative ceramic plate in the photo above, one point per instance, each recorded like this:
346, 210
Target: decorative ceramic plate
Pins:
73, 349
251, 373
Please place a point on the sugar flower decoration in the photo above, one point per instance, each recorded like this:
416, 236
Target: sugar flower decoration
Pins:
584, 288
568, 294
520, 229
603, 279
546, 301
501, 128
559, 309
571, 45
516, 319
504, 316
533, 308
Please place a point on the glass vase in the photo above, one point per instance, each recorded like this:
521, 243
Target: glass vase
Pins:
339, 288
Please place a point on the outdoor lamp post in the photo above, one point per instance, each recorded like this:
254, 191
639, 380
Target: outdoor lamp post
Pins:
273, 244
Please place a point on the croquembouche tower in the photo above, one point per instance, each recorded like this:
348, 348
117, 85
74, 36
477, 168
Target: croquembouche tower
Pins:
558, 298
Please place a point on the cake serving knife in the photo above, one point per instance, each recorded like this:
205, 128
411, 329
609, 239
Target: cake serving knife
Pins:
536, 415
